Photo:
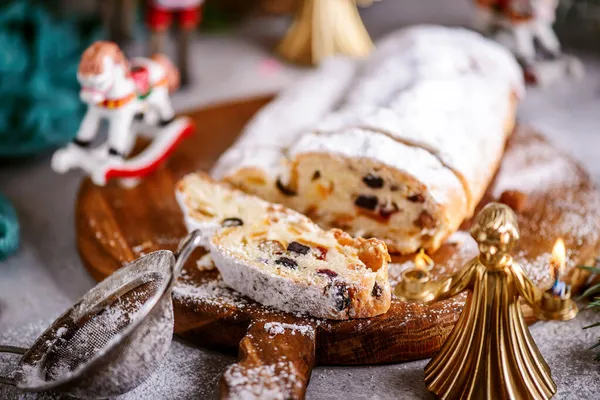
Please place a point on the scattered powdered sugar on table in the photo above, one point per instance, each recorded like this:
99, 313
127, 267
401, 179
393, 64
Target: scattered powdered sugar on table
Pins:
186, 373
278, 328
263, 382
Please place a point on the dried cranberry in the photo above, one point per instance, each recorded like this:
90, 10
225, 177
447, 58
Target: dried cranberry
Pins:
377, 290
298, 248
367, 202
287, 262
328, 272
373, 181
417, 198
321, 253
285, 190
229, 222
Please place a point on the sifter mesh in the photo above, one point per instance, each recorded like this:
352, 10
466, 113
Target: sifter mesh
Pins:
79, 342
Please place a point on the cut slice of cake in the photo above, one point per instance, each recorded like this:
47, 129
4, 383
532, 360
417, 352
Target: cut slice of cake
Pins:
282, 259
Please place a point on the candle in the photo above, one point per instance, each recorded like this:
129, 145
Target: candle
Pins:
423, 261
557, 264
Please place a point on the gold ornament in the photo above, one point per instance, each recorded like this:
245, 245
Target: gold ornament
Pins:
323, 28
490, 352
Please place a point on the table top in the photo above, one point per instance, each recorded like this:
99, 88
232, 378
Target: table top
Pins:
46, 276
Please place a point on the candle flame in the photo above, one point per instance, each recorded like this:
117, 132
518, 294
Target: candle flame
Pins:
423, 261
558, 256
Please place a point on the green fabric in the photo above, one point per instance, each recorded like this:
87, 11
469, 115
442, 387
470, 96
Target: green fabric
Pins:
9, 229
39, 93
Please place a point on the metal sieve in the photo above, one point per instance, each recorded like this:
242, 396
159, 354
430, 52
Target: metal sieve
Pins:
113, 338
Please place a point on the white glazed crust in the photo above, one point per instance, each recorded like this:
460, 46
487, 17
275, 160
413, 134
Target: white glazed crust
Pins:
432, 109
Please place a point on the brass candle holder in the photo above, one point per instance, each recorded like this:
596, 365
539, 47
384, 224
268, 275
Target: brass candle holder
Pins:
556, 301
490, 350
416, 284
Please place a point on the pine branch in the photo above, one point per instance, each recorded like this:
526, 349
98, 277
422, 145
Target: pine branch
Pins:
595, 303
590, 291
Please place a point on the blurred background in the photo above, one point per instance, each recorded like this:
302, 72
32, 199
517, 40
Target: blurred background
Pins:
231, 56
41, 42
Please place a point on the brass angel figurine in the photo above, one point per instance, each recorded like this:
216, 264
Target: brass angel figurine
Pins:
490, 352
323, 28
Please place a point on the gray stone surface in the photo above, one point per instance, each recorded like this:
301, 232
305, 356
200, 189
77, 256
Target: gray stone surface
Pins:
46, 276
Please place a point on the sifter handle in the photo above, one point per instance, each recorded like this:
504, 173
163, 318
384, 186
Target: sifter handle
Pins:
13, 350
184, 250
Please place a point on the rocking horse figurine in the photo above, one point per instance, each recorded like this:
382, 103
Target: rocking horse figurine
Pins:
520, 25
132, 99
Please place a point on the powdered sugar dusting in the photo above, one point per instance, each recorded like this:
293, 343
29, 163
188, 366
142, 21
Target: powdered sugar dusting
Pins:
550, 169
212, 292
273, 381
572, 210
205, 263
278, 328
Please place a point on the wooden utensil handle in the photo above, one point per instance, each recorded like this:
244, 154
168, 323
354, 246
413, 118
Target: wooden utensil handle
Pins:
275, 360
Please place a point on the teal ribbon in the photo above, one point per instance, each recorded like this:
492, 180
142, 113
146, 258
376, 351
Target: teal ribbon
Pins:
9, 229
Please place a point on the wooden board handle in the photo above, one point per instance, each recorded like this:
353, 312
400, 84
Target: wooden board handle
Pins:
275, 360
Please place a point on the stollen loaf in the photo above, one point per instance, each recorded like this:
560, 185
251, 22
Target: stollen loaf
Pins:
401, 146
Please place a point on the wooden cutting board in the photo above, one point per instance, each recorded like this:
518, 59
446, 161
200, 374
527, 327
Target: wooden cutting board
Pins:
277, 351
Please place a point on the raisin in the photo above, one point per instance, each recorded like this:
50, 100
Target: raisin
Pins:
394, 188
417, 198
285, 190
388, 210
287, 262
328, 272
373, 181
296, 247
316, 175
367, 202
341, 295
271, 247
377, 291
425, 220
229, 222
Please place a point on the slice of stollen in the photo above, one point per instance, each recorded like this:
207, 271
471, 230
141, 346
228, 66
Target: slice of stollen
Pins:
282, 259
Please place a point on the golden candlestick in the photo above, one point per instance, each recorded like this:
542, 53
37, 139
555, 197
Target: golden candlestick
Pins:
556, 300
416, 284
490, 352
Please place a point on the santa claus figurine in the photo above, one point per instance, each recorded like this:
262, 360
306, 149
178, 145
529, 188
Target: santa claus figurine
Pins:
187, 15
